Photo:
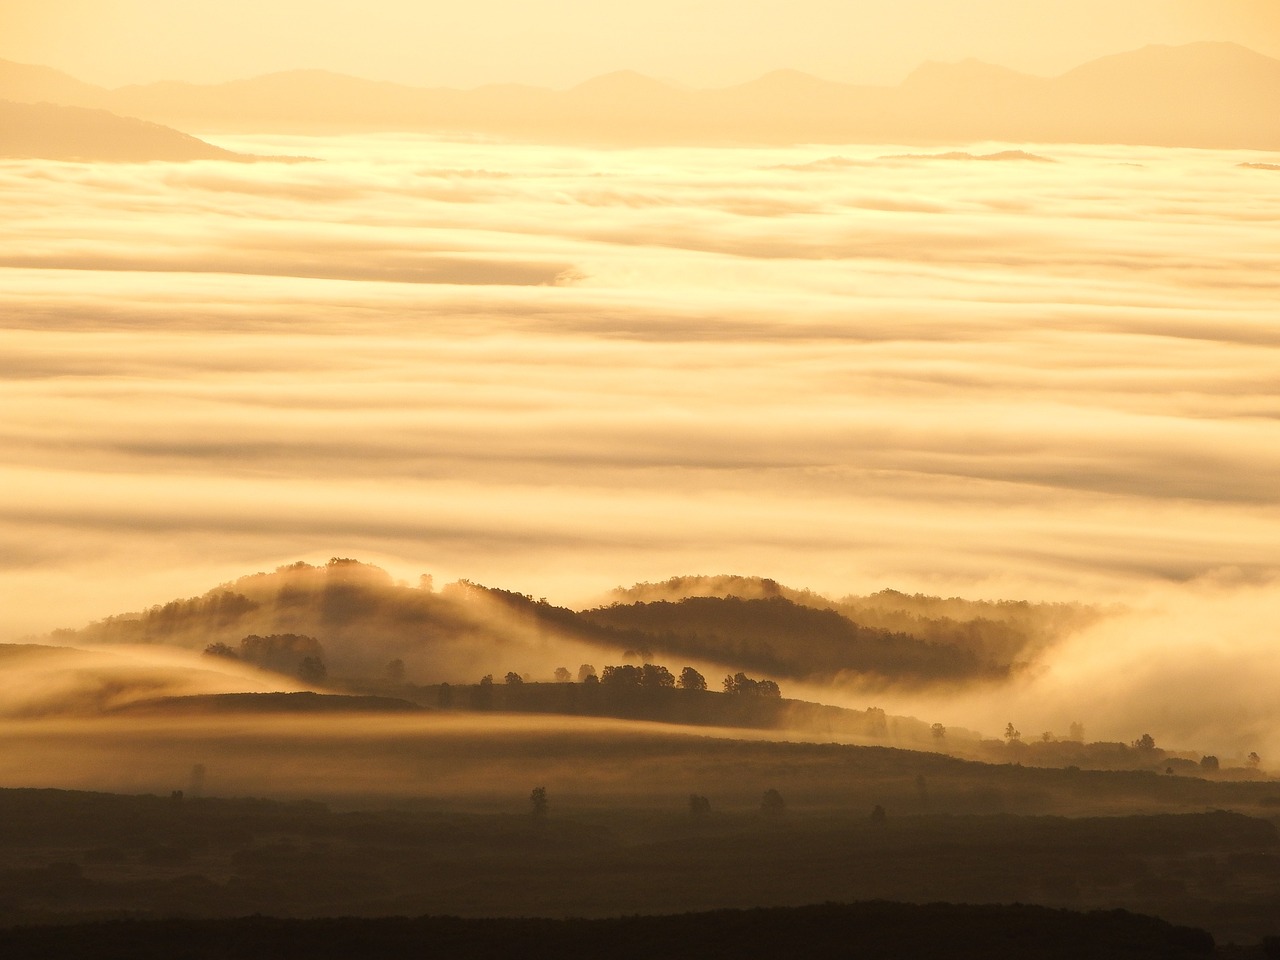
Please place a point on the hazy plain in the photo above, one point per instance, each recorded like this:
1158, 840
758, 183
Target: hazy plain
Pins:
559, 369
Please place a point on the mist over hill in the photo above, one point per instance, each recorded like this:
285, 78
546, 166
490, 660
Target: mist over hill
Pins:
358, 619
1206, 94
983, 634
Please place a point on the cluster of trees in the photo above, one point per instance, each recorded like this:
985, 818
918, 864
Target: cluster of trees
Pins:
653, 676
628, 675
1076, 734
290, 653
1144, 745
740, 683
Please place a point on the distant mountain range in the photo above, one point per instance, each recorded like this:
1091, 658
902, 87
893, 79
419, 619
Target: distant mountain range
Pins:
1217, 95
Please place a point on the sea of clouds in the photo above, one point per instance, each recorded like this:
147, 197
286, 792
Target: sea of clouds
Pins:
557, 370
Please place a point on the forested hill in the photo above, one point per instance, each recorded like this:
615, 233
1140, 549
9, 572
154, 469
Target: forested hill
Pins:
999, 632
781, 638
356, 620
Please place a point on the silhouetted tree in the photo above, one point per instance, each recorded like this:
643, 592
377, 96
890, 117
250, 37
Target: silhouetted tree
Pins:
1146, 743
1046, 737
538, 802
772, 804
281, 652
590, 679
221, 650
740, 683
691, 679
482, 698
877, 722
1012, 734
699, 807
395, 670
584, 671
939, 731
626, 675
563, 675
1253, 759
513, 677
1209, 764
312, 670
1076, 731
652, 675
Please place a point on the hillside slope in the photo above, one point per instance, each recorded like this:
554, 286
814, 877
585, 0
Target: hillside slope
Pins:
358, 620
49, 132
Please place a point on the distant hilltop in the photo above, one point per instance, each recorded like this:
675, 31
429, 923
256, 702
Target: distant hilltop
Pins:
1211, 95
51, 132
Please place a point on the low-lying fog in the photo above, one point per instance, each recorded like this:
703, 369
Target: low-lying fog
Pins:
557, 370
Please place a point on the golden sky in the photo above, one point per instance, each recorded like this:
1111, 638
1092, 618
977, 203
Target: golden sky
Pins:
559, 43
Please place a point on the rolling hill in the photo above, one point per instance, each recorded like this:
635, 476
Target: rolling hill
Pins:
358, 620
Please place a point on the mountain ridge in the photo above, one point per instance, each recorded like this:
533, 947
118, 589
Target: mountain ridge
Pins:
48, 131
1207, 94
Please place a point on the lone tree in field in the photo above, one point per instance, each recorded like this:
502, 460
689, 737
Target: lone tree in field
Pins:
1145, 743
512, 678
1012, 734
584, 671
939, 731
772, 804
538, 803
563, 675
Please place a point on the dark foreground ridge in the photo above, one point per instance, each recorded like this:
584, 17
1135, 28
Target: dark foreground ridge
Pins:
866, 930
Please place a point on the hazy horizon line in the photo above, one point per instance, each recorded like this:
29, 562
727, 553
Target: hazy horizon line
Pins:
671, 82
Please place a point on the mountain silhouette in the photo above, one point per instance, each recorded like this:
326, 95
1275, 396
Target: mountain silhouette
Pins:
1216, 95
49, 132
25, 83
